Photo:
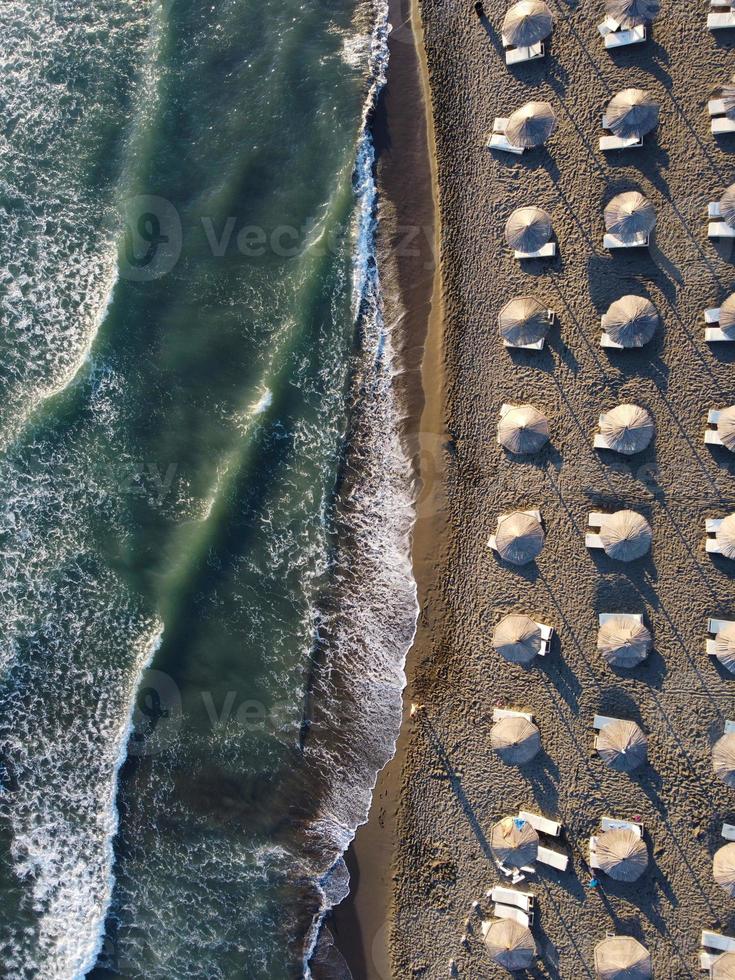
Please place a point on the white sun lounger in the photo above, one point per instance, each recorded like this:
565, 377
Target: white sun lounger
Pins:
720, 229
497, 139
711, 436
509, 896
712, 315
714, 940
620, 142
721, 124
713, 628
719, 22
547, 251
516, 56
728, 831
600, 441
729, 727
619, 39
594, 863
599, 721
500, 713
539, 344
608, 823
611, 241
542, 824
713, 210
711, 527
630, 617
509, 912
553, 858
607, 341
594, 540
608, 26
712, 333
716, 107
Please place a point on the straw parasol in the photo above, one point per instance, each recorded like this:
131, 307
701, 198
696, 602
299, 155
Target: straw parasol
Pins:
727, 206
531, 125
724, 967
622, 958
628, 429
723, 868
526, 23
629, 215
519, 538
622, 746
631, 321
514, 842
523, 320
622, 854
725, 647
725, 535
510, 945
516, 740
623, 642
518, 639
625, 535
528, 229
632, 112
726, 427
632, 13
723, 759
523, 429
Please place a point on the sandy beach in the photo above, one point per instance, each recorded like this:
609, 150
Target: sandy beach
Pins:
453, 788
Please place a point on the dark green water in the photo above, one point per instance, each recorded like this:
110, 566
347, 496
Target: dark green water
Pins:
205, 505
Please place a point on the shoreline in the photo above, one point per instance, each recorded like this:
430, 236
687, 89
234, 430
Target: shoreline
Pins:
408, 191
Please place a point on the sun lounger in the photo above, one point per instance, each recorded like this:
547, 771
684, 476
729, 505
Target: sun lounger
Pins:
594, 863
553, 858
497, 139
608, 26
600, 441
719, 22
607, 341
599, 721
508, 896
547, 251
509, 912
721, 124
714, 940
713, 210
729, 727
728, 831
619, 142
516, 56
541, 824
620, 39
713, 628
594, 540
712, 436
547, 632
500, 713
611, 241
708, 960
539, 344
724, 4
608, 823
720, 229
712, 315
716, 107
711, 526
631, 617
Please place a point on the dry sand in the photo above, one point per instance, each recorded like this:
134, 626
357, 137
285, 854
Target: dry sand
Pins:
454, 788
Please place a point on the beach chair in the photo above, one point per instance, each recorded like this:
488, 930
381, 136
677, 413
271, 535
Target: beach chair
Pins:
618, 142
554, 859
607, 341
497, 139
600, 441
729, 727
712, 525
721, 124
509, 912
542, 824
620, 39
711, 435
715, 940
500, 713
721, 21
516, 56
720, 229
591, 540
539, 344
713, 628
593, 862
509, 896
716, 107
611, 823
611, 241
630, 617
491, 543
712, 332
547, 251
728, 831
608, 26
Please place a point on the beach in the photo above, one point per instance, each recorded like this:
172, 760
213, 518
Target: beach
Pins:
453, 788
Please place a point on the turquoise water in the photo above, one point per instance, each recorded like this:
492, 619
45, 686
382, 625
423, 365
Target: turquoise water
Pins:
204, 503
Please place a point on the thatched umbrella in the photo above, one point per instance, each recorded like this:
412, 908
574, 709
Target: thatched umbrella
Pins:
725, 536
622, 745
727, 206
531, 125
528, 22
622, 958
523, 320
516, 740
632, 112
622, 854
623, 642
628, 429
514, 842
625, 535
523, 429
723, 868
519, 538
528, 229
726, 427
724, 967
518, 639
629, 215
632, 13
510, 945
723, 759
631, 321
725, 647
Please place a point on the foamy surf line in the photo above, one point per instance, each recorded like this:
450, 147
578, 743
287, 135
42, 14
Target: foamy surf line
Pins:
382, 527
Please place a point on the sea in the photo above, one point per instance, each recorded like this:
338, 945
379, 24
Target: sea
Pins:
206, 595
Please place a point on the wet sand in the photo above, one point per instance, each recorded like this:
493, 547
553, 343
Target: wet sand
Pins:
453, 788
